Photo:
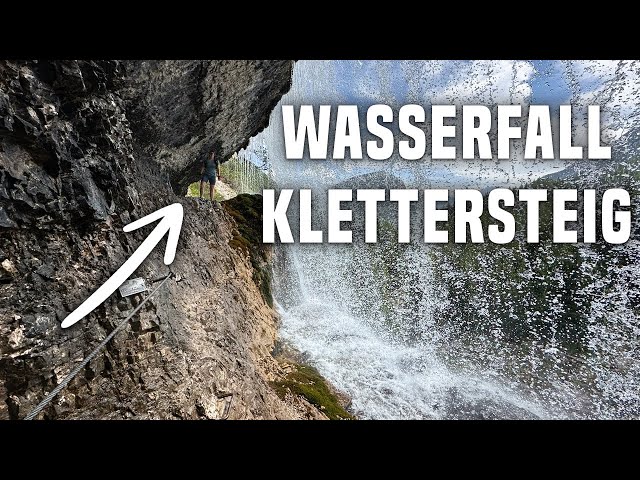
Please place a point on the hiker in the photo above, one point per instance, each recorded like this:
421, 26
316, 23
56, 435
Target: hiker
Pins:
210, 172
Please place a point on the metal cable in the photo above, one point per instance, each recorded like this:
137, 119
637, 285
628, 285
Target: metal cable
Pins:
90, 357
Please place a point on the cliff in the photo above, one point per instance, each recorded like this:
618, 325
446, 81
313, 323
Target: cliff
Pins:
181, 110
86, 147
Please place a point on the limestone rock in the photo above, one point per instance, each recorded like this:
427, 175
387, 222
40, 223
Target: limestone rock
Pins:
86, 147
181, 110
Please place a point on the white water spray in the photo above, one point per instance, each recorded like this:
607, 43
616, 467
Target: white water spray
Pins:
369, 317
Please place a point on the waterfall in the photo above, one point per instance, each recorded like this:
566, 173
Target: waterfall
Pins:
380, 321
245, 175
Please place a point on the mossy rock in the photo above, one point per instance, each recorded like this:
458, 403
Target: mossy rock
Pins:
246, 210
308, 383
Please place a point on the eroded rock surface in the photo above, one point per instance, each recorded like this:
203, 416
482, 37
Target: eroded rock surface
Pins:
85, 148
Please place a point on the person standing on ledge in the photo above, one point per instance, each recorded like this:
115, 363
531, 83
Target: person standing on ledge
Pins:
210, 173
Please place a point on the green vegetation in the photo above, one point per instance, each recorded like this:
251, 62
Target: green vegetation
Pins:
245, 177
540, 293
194, 191
307, 382
385, 260
246, 210
240, 175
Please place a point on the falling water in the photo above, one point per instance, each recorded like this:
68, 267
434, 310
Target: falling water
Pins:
245, 175
379, 321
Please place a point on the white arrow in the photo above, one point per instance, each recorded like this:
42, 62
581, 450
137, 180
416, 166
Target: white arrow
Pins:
171, 221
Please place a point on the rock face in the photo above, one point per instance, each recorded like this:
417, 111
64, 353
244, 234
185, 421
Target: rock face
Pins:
181, 110
85, 148
65, 144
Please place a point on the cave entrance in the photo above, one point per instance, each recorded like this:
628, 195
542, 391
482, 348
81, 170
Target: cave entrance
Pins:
239, 174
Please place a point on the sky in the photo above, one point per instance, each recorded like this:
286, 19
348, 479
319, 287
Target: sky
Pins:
612, 84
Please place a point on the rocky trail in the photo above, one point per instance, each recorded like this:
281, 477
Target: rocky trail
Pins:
85, 148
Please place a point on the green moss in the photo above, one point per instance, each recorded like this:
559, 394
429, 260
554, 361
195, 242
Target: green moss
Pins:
246, 210
307, 382
194, 191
